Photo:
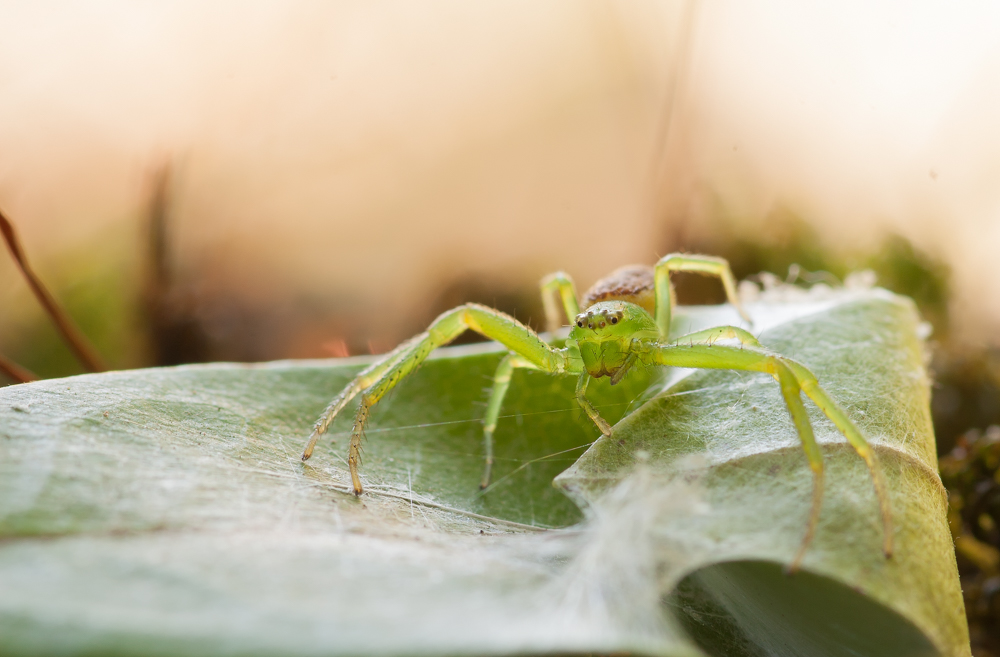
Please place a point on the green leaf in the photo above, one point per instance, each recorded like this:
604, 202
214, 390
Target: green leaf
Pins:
166, 511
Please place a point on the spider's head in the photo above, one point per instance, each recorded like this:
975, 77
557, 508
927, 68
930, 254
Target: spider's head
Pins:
599, 319
605, 331
611, 320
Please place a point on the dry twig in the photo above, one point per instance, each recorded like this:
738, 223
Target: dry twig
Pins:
86, 354
15, 371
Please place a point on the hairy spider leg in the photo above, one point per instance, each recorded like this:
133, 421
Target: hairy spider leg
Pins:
705, 337
501, 381
558, 285
488, 322
581, 398
792, 377
713, 335
365, 378
810, 385
701, 264
556, 288
505, 370
792, 393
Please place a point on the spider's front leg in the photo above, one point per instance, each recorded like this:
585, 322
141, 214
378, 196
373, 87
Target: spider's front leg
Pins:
793, 379
377, 380
501, 381
556, 288
581, 398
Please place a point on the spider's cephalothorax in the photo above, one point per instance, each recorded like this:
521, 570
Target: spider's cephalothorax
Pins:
626, 321
605, 335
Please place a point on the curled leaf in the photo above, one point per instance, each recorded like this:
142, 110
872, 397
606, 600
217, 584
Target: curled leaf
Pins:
166, 511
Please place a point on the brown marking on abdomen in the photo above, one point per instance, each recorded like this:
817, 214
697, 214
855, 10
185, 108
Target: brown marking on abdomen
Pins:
632, 283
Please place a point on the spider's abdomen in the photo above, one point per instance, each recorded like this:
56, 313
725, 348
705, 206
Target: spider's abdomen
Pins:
632, 283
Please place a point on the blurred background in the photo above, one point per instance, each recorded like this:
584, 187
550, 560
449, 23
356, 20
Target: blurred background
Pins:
233, 181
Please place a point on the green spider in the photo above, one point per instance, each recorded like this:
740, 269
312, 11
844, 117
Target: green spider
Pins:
626, 322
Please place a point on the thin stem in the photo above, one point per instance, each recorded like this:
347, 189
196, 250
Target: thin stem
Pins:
15, 371
81, 348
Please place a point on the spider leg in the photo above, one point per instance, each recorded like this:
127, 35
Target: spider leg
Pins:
830, 408
501, 381
382, 377
793, 377
365, 378
791, 391
561, 285
693, 263
712, 335
581, 398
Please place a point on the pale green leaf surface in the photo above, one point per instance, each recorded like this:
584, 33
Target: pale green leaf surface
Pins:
166, 511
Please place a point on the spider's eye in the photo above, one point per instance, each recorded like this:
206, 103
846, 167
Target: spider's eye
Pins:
579, 323
614, 320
